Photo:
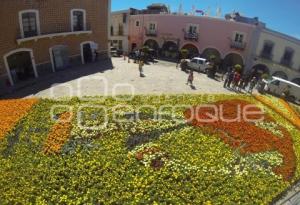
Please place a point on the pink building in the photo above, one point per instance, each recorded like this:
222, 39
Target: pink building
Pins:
230, 41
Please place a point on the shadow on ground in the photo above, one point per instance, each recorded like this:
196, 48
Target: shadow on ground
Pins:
45, 82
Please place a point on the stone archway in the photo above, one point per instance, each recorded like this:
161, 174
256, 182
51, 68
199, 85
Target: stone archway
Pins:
152, 44
192, 50
209, 52
233, 59
169, 50
280, 74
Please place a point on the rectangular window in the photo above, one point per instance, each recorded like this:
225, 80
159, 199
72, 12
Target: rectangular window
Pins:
267, 50
192, 29
111, 30
121, 30
29, 22
239, 38
78, 21
152, 26
287, 57
124, 18
137, 23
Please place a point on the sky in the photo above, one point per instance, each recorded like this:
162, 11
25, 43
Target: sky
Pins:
279, 15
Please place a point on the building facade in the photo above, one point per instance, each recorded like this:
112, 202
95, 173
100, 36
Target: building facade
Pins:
278, 54
46, 36
230, 42
233, 40
119, 30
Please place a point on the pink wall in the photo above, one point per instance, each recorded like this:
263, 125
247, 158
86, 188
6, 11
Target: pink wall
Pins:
213, 32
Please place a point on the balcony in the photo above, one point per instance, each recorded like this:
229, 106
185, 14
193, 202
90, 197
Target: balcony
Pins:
238, 45
286, 63
267, 56
152, 33
191, 36
55, 34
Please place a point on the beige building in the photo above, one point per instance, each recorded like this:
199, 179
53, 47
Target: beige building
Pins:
278, 54
46, 36
119, 29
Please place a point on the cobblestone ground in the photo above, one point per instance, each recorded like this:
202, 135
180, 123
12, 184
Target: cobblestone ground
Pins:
161, 78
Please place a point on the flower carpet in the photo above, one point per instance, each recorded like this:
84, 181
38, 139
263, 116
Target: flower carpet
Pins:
148, 150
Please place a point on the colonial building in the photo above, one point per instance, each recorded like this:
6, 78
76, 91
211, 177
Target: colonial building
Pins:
279, 55
272, 52
231, 42
39, 37
234, 40
119, 29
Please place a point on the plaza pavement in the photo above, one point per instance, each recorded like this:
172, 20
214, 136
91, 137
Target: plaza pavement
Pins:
99, 80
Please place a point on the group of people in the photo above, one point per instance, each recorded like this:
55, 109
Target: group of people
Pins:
238, 82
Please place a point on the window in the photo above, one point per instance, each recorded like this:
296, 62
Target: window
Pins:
287, 57
152, 27
29, 23
124, 18
194, 61
276, 82
121, 30
78, 20
137, 23
267, 49
192, 29
239, 38
111, 30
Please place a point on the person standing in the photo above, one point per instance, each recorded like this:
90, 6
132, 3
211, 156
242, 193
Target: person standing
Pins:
253, 83
241, 84
141, 64
236, 79
179, 58
190, 78
230, 77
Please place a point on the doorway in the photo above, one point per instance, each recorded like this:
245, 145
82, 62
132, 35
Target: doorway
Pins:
89, 52
20, 65
60, 57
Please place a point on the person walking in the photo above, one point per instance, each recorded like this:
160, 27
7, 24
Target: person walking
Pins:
141, 64
190, 78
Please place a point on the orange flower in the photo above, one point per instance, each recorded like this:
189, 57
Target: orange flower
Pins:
245, 135
11, 112
59, 134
